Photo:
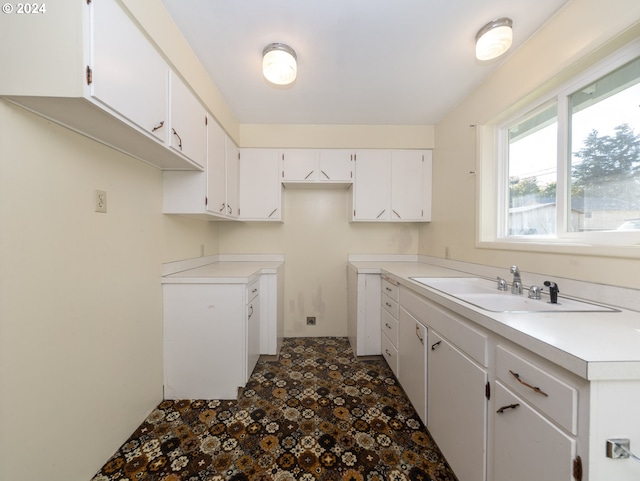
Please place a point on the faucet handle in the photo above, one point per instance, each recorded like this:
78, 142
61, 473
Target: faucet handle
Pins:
534, 292
502, 284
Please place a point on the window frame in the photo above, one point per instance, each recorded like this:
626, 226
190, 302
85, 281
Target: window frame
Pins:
493, 178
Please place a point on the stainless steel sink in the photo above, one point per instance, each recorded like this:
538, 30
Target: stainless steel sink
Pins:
483, 293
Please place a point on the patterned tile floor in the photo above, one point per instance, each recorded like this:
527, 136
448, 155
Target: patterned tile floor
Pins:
315, 414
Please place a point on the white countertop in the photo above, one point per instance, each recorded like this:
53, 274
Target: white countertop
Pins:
593, 345
220, 271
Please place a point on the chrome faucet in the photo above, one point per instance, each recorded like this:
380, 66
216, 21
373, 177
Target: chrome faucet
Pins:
516, 287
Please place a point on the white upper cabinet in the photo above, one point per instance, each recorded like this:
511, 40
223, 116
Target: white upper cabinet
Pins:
316, 166
128, 74
188, 126
392, 186
260, 187
216, 170
233, 189
95, 72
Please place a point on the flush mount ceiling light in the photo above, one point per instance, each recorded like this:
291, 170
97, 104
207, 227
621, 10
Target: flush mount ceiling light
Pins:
494, 39
279, 64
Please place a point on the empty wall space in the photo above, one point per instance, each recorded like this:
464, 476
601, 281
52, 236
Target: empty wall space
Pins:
316, 238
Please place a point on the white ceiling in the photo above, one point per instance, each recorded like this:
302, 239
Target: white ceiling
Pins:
372, 62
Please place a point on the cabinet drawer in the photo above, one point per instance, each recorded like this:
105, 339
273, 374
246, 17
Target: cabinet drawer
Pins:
390, 327
458, 331
390, 287
552, 396
253, 290
390, 305
390, 353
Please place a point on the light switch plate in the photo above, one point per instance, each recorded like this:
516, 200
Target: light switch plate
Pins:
100, 201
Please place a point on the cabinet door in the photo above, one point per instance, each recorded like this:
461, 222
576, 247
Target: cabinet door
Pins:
216, 169
233, 203
299, 165
457, 417
188, 128
407, 185
412, 361
260, 187
372, 186
526, 446
129, 75
253, 335
335, 165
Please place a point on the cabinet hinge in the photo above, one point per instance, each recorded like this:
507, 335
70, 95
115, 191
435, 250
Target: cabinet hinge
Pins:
89, 75
354, 212
577, 469
206, 200
206, 120
487, 390
88, 2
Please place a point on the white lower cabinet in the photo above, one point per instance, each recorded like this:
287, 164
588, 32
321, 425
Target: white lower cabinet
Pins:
211, 339
527, 446
458, 408
412, 361
363, 312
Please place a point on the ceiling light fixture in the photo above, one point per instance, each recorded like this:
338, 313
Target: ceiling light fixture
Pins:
494, 39
279, 64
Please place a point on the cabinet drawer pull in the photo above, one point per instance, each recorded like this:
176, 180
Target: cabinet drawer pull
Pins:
387, 304
158, 127
179, 138
388, 325
418, 334
250, 311
510, 406
388, 289
253, 291
381, 212
533, 388
388, 353
435, 346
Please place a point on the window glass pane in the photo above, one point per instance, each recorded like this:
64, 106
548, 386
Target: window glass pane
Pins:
605, 153
532, 168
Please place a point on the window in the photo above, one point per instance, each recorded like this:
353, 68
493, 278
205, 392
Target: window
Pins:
568, 169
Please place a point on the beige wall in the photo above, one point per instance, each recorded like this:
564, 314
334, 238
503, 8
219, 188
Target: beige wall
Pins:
582, 33
81, 302
316, 239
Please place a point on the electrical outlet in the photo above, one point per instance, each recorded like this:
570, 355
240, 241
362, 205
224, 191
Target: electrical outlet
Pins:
100, 201
311, 321
614, 451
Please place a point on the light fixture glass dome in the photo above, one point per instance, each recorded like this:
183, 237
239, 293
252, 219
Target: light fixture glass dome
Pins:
494, 39
279, 64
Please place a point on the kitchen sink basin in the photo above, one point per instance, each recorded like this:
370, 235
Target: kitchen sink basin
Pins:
483, 293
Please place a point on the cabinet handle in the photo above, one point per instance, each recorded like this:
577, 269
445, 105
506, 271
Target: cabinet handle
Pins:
382, 212
253, 291
388, 325
388, 353
435, 346
387, 304
273, 212
250, 311
533, 388
396, 214
158, 127
388, 289
222, 207
418, 334
308, 175
229, 209
179, 138
510, 406
325, 174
